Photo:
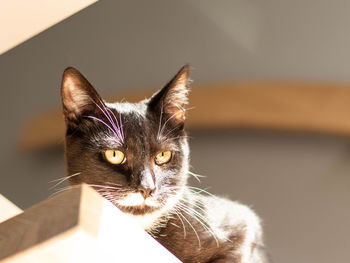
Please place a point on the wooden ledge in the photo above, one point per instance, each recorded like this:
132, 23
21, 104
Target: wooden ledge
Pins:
77, 225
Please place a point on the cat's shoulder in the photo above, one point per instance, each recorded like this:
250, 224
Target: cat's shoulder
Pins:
234, 221
230, 212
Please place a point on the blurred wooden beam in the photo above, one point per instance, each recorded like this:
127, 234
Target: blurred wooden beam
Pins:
7, 209
286, 106
77, 225
21, 20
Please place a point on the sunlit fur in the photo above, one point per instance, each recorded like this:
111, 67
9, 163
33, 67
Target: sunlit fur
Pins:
191, 223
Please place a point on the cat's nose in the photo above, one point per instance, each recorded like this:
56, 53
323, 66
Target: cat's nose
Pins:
147, 185
146, 191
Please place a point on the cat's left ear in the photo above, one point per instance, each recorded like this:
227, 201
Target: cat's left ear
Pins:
173, 97
79, 98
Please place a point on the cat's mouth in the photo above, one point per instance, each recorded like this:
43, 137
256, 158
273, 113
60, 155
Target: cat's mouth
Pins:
136, 204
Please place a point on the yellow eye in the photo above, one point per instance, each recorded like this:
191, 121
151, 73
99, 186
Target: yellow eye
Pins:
115, 156
163, 157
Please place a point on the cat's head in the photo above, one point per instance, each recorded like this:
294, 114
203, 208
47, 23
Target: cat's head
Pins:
134, 154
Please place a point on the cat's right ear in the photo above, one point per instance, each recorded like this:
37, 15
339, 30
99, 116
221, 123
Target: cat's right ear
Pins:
173, 97
79, 98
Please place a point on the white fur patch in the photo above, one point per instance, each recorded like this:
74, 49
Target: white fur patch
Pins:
150, 202
136, 199
133, 199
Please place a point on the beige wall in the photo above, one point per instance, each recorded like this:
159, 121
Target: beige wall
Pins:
299, 184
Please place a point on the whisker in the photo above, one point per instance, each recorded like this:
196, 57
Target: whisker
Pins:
196, 176
113, 184
194, 230
171, 117
166, 135
61, 180
174, 138
199, 190
121, 126
104, 123
60, 190
116, 124
160, 121
107, 113
199, 218
104, 186
182, 222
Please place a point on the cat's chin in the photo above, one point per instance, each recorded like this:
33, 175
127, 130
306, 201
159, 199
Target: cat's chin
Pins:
138, 210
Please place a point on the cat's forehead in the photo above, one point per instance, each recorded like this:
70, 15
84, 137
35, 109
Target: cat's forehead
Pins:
132, 116
136, 127
126, 108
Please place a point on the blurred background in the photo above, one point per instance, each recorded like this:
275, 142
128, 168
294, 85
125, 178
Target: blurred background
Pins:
297, 182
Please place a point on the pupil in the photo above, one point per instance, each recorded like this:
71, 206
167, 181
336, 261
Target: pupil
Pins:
113, 153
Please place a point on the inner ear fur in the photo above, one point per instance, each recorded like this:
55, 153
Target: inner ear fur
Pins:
78, 95
171, 100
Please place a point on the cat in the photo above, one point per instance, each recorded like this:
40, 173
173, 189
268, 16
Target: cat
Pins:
137, 156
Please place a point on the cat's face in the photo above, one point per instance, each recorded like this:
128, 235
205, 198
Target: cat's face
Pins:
134, 154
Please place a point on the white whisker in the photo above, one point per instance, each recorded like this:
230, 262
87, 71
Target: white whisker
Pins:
182, 222
61, 180
199, 218
197, 176
194, 230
